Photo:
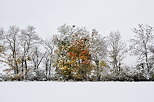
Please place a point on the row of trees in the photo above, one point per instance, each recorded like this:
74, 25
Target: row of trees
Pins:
75, 54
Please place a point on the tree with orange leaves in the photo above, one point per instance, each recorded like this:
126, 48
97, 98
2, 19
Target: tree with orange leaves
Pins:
80, 59
74, 59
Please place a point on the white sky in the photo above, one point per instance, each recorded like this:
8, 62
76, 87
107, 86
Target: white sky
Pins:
103, 15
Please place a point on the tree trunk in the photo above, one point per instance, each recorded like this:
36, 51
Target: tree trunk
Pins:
97, 70
26, 69
46, 69
22, 66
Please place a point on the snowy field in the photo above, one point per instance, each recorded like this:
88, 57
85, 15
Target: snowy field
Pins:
76, 91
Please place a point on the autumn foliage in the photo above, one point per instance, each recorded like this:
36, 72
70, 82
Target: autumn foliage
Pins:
76, 61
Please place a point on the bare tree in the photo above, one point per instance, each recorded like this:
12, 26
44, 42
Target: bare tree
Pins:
1, 41
48, 60
13, 45
151, 60
37, 57
116, 51
140, 45
98, 49
28, 39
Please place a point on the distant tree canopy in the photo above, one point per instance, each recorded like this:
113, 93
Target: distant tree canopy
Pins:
75, 54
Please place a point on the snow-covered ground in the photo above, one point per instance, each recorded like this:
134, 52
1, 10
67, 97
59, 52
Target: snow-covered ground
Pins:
76, 91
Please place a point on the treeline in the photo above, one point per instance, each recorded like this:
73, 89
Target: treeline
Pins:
75, 54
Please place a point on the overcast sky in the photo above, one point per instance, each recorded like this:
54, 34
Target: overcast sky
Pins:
103, 15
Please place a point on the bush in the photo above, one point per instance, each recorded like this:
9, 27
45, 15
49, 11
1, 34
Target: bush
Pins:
38, 75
